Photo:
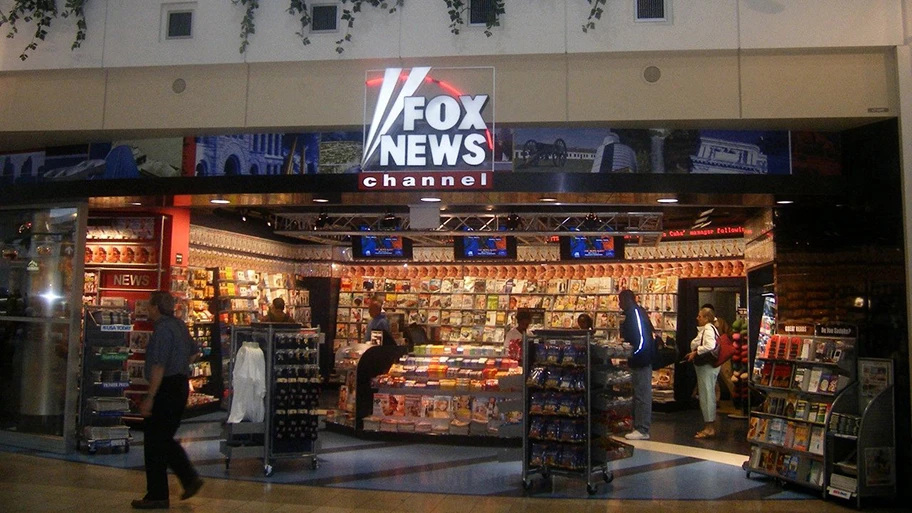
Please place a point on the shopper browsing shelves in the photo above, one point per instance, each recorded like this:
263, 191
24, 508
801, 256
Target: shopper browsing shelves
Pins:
701, 349
169, 354
514, 338
379, 322
636, 330
584, 322
277, 312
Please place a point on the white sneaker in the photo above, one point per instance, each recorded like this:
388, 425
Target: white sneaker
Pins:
636, 435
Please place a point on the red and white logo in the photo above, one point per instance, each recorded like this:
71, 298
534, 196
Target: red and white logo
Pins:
420, 123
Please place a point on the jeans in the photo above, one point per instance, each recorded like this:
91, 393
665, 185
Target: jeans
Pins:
161, 450
642, 398
706, 387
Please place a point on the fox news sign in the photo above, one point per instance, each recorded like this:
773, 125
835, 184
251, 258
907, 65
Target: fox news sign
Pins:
428, 128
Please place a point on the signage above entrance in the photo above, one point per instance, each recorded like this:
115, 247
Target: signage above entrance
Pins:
424, 121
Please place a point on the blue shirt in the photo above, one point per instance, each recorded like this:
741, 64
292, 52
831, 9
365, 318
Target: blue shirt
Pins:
380, 322
170, 346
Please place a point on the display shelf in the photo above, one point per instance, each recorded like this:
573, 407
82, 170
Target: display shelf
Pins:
105, 378
802, 370
290, 407
563, 406
447, 303
861, 441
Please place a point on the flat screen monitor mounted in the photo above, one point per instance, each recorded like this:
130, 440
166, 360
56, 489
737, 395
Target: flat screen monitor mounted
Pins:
587, 247
484, 247
393, 247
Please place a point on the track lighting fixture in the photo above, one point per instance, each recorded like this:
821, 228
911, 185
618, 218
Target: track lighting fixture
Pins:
513, 222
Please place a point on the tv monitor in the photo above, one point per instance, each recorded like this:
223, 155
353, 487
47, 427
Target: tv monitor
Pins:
587, 247
381, 247
484, 247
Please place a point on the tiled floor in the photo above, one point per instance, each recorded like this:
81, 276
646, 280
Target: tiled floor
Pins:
358, 475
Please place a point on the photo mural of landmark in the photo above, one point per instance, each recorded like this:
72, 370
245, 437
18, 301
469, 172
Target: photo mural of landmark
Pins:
521, 149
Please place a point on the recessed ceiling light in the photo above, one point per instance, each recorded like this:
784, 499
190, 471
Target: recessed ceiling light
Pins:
136, 203
667, 200
219, 201
430, 199
784, 202
320, 200
547, 199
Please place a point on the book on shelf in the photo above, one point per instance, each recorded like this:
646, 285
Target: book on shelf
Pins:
763, 345
826, 377
791, 404
791, 469
802, 437
782, 347
782, 460
755, 457
789, 438
768, 460
772, 346
800, 379
815, 473
807, 349
762, 373
776, 433
782, 375
816, 439
753, 425
822, 410
814, 379
794, 348
762, 430
801, 409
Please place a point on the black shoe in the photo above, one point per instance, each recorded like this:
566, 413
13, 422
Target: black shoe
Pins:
191, 489
150, 504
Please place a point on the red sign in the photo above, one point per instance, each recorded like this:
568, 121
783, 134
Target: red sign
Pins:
132, 280
706, 233
426, 180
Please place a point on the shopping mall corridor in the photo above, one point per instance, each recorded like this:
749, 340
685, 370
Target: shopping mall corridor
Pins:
373, 475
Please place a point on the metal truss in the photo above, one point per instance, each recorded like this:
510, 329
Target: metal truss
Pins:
528, 228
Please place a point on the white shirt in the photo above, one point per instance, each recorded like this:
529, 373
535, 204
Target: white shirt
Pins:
705, 341
512, 335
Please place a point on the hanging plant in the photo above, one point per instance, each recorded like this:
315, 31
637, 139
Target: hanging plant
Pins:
594, 14
43, 12
247, 26
348, 16
299, 8
456, 9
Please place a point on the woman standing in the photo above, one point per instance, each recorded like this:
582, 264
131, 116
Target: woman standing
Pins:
701, 349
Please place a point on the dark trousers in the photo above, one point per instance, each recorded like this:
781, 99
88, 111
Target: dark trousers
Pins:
161, 449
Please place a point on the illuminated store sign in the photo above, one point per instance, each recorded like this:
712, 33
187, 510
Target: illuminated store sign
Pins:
423, 132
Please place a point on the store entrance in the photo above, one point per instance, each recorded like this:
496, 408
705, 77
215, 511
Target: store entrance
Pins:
727, 296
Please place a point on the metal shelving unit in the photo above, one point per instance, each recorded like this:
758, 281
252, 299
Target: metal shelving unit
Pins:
568, 380
289, 427
861, 442
104, 379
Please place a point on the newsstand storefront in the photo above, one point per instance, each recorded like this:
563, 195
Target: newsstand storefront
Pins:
812, 218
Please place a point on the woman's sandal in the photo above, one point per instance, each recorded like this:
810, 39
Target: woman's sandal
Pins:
704, 434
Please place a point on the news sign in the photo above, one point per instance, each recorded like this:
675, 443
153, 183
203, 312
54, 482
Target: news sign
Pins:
428, 128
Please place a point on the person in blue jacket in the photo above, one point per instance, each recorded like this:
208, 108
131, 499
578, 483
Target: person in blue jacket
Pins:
637, 331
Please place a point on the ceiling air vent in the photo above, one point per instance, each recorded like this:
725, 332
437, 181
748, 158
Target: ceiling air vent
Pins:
324, 18
651, 10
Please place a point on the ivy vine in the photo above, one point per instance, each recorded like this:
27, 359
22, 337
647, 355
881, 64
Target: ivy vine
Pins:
43, 12
348, 15
594, 14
